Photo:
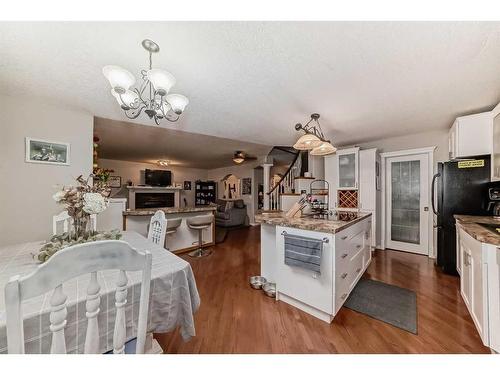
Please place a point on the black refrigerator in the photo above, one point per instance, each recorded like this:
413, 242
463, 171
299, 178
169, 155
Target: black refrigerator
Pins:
462, 188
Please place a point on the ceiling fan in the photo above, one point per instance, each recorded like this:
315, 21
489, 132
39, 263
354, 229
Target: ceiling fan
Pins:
239, 157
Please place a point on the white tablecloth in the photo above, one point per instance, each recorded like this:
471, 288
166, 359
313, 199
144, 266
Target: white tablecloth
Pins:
173, 301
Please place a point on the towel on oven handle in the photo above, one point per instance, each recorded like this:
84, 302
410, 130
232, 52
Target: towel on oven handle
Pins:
303, 252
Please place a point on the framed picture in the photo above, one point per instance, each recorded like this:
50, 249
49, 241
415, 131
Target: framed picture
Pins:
115, 181
246, 186
187, 185
47, 152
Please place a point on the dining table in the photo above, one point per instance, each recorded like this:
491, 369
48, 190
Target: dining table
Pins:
174, 298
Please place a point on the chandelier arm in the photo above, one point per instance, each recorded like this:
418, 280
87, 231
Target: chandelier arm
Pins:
134, 114
177, 118
141, 100
156, 120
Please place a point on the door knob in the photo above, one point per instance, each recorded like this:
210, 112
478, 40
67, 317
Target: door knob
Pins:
426, 209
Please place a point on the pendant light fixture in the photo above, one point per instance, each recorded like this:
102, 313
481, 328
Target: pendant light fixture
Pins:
313, 139
151, 96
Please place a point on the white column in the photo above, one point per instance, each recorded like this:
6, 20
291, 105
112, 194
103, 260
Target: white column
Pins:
267, 179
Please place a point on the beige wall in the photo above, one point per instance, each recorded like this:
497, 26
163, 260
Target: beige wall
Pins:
26, 189
437, 138
128, 170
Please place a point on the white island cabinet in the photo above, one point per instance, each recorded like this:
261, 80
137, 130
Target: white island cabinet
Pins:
478, 251
345, 256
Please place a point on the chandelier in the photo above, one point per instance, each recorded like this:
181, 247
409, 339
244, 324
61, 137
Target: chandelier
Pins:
151, 97
313, 139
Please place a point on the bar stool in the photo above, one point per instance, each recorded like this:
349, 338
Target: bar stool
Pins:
199, 223
172, 225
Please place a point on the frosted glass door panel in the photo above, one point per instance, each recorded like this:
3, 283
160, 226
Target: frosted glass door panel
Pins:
347, 171
405, 199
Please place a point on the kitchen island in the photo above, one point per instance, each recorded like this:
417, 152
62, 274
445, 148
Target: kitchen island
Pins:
320, 289
478, 264
184, 239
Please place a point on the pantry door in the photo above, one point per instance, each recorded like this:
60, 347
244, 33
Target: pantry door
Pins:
407, 203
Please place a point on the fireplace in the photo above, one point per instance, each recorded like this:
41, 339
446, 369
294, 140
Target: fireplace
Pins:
154, 200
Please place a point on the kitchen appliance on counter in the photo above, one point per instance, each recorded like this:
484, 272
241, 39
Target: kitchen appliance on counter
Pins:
494, 203
462, 188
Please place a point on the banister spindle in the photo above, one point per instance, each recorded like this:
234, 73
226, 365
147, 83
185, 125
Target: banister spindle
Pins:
58, 316
120, 301
92, 306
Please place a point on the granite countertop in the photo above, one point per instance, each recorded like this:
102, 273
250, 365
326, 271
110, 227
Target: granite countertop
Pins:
471, 225
308, 223
169, 210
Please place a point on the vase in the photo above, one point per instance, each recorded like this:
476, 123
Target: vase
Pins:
81, 227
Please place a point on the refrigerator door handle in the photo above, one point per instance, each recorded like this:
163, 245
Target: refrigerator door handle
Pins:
433, 192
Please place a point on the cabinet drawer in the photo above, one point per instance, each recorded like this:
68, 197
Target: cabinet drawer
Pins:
349, 243
347, 274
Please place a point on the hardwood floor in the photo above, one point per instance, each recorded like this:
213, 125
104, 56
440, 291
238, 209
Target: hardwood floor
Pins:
233, 318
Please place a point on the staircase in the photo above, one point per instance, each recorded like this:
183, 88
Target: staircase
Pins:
286, 184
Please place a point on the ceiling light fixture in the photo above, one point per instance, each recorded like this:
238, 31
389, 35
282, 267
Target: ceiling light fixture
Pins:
163, 163
239, 157
151, 97
313, 139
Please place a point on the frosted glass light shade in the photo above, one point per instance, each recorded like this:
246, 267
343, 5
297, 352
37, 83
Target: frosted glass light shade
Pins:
325, 148
238, 160
118, 77
128, 97
161, 79
177, 102
307, 142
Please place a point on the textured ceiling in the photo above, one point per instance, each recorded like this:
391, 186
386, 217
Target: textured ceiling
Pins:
122, 140
252, 81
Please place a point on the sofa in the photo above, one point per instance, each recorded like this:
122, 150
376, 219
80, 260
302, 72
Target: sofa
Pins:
231, 213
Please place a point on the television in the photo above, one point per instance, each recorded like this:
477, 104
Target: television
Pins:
154, 177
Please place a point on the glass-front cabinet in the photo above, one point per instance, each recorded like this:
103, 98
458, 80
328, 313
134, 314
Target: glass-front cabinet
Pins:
348, 168
495, 157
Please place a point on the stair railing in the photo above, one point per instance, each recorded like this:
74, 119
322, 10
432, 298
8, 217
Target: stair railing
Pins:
285, 184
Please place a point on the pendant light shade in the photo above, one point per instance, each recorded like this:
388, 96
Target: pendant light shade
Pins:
127, 98
307, 142
162, 80
325, 148
177, 102
118, 77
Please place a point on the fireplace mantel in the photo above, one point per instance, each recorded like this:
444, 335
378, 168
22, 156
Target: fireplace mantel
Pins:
133, 190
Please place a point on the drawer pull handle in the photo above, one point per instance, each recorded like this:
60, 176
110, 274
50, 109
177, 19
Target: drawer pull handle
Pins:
358, 270
344, 275
358, 246
344, 296
343, 238
344, 255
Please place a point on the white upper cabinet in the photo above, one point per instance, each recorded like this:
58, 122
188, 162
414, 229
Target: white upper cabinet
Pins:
470, 136
495, 152
331, 171
348, 168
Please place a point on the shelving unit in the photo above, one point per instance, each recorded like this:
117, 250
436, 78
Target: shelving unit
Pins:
205, 192
319, 188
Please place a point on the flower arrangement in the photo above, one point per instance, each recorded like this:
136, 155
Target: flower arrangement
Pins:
59, 242
80, 201
101, 176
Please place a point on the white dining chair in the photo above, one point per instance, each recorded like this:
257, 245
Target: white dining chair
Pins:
69, 263
63, 218
158, 228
